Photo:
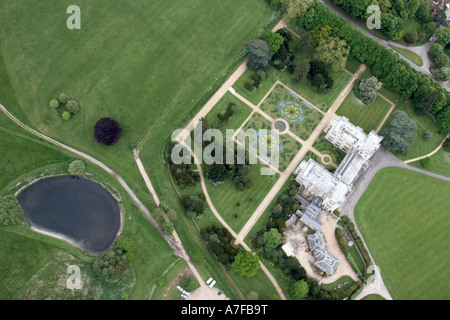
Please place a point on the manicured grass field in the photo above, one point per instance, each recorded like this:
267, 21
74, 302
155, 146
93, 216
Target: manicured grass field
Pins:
419, 147
235, 206
300, 115
404, 221
368, 117
149, 65
440, 163
411, 55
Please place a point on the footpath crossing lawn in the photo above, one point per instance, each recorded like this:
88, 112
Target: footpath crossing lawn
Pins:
403, 217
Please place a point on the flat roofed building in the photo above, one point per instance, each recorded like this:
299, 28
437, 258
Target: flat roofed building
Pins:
320, 182
345, 136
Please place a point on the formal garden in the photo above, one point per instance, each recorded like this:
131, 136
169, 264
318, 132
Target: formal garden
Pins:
300, 115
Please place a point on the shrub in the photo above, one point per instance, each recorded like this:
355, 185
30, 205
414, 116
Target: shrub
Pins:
168, 227
411, 37
54, 104
427, 135
66, 115
248, 86
446, 145
77, 168
11, 211
72, 106
63, 98
426, 162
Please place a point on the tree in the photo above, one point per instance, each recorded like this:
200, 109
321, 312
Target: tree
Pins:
72, 106
442, 74
66, 115
427, 135
423, 13
440, 17
299, 290
273, 39
413, 5
128, 246
301, 71
63, 98
54, 104
11, 211
368, 90
273, 238
260, 55
436, 50
320, 33
77, 168
246, 264
296, 8
443, 120
441, 60
400, 133
107, 131
443, 36
411, 37
446, 145
426, 103
390, 24
168, 227
333, 51
304, 41
426, 162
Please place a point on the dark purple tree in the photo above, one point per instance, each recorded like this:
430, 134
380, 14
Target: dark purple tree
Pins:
107, 131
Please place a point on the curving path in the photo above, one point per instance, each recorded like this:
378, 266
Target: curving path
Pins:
431, 153
177, 246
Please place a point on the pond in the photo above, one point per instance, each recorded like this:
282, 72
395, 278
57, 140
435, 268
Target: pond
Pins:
78, 209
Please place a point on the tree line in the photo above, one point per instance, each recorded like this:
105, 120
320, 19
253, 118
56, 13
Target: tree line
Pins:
395, 73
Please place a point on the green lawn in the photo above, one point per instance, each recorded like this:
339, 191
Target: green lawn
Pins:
411, 55
419, 147
403, 220
149, 65
368, 117
440, 163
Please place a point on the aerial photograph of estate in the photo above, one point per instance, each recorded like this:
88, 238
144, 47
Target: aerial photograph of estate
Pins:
207, 150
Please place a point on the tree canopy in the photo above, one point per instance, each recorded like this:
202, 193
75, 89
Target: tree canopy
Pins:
333, 51
107, 131
400, 133
260, 55
246, 264
77, 168
273, 238
11, 211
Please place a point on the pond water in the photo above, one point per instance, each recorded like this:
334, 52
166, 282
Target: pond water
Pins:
79, 209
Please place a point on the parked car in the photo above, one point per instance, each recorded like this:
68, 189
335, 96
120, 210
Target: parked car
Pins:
220, 292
